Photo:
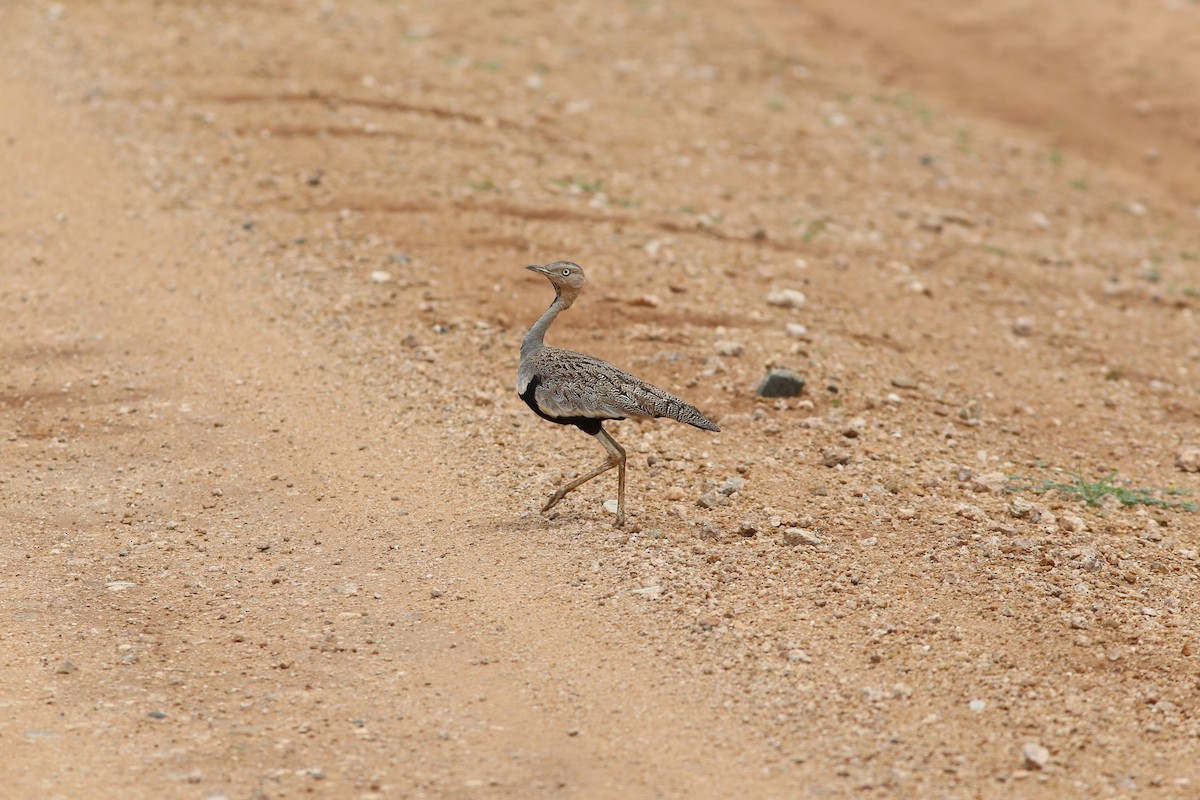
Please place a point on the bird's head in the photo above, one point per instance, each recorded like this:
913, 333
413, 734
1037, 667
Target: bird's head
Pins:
566, 276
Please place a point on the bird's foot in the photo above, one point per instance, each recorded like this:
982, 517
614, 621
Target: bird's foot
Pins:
619, 522
553, 501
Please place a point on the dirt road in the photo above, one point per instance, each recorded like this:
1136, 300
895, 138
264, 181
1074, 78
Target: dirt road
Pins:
268, 503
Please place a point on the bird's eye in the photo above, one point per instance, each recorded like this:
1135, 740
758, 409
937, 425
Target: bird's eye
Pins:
566, 272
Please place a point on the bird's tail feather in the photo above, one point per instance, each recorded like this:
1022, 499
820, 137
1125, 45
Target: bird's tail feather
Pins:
658, 403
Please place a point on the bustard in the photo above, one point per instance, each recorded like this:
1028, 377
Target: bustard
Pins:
571, 388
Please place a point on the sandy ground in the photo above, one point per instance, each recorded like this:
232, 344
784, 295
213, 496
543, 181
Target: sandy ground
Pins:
268, 502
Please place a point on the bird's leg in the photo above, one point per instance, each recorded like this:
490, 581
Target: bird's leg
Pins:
616, 458
615, 451
575, 484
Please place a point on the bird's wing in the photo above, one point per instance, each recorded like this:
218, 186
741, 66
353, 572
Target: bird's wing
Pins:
573, 384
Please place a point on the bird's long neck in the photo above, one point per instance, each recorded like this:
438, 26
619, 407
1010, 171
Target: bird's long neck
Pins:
534, 339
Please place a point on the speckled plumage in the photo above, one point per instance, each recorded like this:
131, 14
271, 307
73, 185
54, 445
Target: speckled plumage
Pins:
576, 389
578, 385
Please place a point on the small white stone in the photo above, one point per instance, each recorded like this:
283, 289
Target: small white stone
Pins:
977, 705
787, 298
729, 348
796, 536
1035, 756
1188, 458
380, 276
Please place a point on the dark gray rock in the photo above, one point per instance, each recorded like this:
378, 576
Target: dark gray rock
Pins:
780, 383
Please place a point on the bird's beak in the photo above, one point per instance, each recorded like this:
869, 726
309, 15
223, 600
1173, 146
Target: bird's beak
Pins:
536, 268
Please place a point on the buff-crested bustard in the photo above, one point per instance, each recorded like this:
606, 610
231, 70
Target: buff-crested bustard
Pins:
571, 388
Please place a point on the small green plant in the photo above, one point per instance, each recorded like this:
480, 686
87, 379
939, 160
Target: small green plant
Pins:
1080, 183
962, 138
1092, 493
481, 186
813, 229
1056, 156
590, 187
910, 103
775, 103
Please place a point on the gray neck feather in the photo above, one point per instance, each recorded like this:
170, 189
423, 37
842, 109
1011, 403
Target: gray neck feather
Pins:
533, 340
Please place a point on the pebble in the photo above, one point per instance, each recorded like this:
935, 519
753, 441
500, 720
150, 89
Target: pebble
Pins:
834, 458
905, 382
787, 298
611, 506
798, 536
977, 705
990, 483
1035, 755
728, 348
380, 276
1088, 559
712, 500
347, 590
652, 592
436, 593
967, 511
780, 383
797, 331
747, 528
645, 300
1022, 326
732, 485
1188, 458
65, 668
1020, 507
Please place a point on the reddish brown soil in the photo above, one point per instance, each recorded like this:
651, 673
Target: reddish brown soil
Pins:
268, 503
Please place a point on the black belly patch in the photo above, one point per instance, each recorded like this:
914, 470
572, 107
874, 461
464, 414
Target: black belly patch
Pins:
589, 425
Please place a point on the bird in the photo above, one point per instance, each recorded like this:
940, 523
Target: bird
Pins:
570, 388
